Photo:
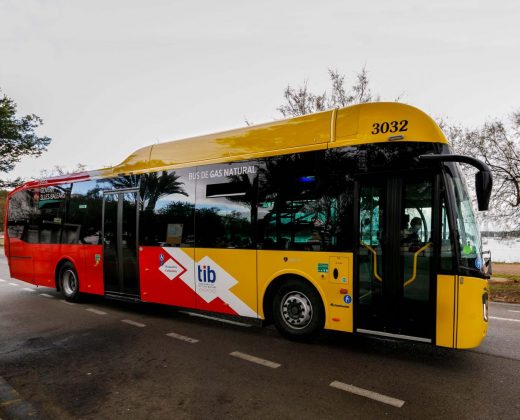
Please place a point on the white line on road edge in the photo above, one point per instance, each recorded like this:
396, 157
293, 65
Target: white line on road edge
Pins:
68, 303
29, 290
183, 338
368, 394
135, 324
13, 284
256, 360
504, 319
46, 295
214, 318
95, 311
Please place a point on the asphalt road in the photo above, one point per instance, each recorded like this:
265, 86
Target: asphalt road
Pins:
104, 359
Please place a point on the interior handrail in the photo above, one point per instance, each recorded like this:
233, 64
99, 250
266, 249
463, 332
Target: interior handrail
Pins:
374, 253
414, 272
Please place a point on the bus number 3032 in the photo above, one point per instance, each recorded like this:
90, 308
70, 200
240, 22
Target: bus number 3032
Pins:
390, 127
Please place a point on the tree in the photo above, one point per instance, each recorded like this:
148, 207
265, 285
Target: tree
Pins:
59, 170
497, 143
18, 137
3, 199
300, 101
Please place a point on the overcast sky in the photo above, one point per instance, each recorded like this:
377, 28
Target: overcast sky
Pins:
109, 77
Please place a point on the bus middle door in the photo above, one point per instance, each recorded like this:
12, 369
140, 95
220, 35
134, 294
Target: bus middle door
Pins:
120, 267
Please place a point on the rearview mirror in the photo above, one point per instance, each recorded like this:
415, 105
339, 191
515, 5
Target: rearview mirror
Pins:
483, 186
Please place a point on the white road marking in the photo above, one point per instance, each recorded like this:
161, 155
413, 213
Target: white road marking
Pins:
368, 394
213, 318
46, 295
96, 311
183, 338
510, 310
13, 284
68, 303
135, 324
255, 359
504, 319
2, 280
29, 290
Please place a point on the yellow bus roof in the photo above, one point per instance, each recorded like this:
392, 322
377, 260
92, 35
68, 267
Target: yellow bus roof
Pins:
358, 124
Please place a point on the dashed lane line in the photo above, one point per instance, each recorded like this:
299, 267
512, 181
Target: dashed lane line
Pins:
46, 295
368, 394
66, 302
517, 312
135, 324
504, 319
13, 284
27, 289
183, 338
254, 359
96, 311
2, 280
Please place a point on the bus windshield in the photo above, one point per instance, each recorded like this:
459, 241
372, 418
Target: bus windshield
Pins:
470, 244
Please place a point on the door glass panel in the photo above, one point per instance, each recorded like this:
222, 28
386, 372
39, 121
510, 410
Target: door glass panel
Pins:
416, 256
110, 260
446, 247
371, 217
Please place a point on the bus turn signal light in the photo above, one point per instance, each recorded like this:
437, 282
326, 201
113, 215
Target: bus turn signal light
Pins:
343, 291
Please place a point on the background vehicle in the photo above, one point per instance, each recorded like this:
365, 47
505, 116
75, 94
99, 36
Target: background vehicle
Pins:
304, 222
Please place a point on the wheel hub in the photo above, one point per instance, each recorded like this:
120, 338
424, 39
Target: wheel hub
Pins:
296, 310
69, 283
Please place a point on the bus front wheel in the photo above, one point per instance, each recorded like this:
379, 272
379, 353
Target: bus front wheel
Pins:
298, 312
69, 282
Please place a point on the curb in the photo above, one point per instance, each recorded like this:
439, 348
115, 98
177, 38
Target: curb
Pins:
13, 406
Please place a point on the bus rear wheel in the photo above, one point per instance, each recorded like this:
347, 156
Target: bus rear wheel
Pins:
298, 312
69, 282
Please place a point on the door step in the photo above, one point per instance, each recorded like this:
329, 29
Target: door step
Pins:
401, 336
125, 297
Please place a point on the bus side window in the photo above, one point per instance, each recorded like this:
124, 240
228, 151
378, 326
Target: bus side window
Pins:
36, 215
167, 209
19, 214
83, 222
224, 210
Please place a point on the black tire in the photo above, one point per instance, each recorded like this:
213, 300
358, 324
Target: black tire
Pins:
297, 310
69, 282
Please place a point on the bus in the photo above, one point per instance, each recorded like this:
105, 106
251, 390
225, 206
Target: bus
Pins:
355, 219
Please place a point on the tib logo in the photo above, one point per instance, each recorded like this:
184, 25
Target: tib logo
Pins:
206, 274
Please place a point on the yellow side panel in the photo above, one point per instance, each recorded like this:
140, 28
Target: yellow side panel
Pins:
239, 266
445, 311
471, 326
319, 269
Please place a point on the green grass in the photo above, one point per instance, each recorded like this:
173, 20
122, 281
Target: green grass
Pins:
513, 277
503, 292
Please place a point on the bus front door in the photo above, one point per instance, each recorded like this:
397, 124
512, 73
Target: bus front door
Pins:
394, 260
120, 268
